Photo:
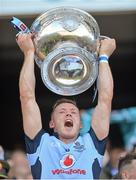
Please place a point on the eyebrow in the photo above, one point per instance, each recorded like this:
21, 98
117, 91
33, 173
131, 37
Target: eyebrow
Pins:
70, 109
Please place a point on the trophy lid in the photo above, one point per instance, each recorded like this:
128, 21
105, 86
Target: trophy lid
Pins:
63, 24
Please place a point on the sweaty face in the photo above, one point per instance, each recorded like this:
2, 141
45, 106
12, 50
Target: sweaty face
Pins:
66, 121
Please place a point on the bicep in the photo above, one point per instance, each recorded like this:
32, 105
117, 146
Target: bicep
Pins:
31, 117
101, 120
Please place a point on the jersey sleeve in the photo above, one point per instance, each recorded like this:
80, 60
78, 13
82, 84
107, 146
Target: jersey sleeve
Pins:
33, 144
100, 145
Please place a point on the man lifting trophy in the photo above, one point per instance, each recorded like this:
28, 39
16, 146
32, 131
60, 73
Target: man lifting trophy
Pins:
66, 42
66, 45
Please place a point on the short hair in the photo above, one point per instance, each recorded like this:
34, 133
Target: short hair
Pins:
63, 100
126, 160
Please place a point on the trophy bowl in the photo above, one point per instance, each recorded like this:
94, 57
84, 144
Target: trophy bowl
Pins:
66, 41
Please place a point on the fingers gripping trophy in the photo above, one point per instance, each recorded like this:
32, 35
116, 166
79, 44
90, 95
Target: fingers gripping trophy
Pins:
66, 44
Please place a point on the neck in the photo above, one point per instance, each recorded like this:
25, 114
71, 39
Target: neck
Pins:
67, 141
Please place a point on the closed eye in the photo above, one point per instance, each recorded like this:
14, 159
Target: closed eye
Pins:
61, 112
73, 112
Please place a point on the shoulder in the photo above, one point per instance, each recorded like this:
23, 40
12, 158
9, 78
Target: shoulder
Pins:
33, 144
100, 145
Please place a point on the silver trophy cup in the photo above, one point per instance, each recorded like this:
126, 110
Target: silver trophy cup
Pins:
66, 41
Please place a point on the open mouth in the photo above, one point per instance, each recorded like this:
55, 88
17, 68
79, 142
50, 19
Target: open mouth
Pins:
68, 123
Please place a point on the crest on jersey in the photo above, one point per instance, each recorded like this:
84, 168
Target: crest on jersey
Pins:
67, 161
79, 147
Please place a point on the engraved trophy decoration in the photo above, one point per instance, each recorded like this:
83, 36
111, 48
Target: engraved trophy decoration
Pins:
66, 41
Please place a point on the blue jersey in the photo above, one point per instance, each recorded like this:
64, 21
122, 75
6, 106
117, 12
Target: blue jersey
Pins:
50, 158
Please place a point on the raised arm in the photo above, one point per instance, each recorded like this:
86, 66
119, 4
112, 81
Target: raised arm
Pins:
101, 114
30, 110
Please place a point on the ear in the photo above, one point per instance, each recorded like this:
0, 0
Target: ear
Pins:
51, 124
81, 125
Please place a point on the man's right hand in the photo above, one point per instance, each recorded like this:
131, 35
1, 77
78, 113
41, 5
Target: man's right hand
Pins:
24, 41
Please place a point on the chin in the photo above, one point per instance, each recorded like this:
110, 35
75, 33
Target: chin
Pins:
69, 135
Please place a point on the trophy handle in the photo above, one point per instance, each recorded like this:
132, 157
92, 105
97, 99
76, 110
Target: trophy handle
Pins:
22, 28
103, 37
98, 46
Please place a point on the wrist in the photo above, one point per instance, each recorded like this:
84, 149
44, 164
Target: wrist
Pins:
29, 53
103, 58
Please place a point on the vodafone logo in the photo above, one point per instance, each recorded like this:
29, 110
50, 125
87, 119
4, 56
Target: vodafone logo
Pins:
67, 161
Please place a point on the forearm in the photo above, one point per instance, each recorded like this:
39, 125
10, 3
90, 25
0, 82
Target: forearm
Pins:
101, 115
30, 110
105, 84
27, 77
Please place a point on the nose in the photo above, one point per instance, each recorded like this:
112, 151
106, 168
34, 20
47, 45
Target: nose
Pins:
68, 114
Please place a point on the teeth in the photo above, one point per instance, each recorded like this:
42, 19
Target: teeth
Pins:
68, 120
69, 123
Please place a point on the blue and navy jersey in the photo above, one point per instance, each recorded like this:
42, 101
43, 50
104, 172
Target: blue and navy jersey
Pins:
50, 158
